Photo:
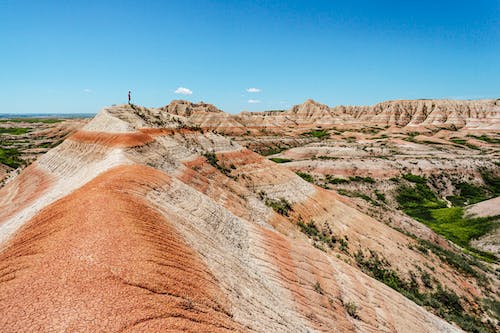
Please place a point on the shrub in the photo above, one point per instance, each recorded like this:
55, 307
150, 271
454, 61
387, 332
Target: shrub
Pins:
318, 289
352, 309
312, 231
362, 179
332, 180
280, 160
280, 206
305, 176
380, 196
214, 161
415, 179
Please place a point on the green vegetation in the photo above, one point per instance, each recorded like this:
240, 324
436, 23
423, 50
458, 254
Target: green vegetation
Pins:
485, 138
320, 134
32, 120
14, 130
468, 195
344, 245
323, 157
358, 195
332, 180
445, 303
352, 309
271, 151
280, 206
418, 201
380, 196
280, 160
214, 161
422, 204
415, 179
459, 261
463, 142
458, 141
312, 231
305, 176
318, 289
11, 157
492, 182
362, 179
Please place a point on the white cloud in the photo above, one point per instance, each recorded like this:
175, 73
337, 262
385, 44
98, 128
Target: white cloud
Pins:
253, 101
183, 91
87, 90
254, 90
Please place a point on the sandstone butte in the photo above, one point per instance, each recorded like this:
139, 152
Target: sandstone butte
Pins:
127, 227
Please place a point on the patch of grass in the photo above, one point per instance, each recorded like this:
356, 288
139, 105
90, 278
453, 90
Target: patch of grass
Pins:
414, 178
422, 204
320, 134
280, 160
471, 193
11, 157
32, 120
451, 223
332, 180
280, 206
458, 141
322, 157
463, 142
306, 176
485, 138
14, 130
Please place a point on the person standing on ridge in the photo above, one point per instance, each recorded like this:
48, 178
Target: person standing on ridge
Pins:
129, 97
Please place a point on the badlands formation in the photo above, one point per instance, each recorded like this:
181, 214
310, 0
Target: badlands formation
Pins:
153, 220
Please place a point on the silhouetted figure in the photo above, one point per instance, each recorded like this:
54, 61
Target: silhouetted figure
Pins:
129, 97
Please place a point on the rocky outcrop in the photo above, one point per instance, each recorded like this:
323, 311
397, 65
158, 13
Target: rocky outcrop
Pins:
413, 114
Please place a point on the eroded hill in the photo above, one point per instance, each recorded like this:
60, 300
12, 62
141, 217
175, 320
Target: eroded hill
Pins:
147, 220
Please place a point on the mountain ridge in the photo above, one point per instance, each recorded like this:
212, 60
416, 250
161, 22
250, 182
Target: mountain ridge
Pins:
190, 201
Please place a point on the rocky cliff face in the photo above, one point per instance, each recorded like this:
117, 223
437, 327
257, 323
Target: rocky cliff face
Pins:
142, 222
412, 114
483, 114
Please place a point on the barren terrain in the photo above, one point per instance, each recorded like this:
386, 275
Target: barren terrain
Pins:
190, 219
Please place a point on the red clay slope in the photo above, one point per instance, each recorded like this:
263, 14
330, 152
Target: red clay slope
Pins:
102, 259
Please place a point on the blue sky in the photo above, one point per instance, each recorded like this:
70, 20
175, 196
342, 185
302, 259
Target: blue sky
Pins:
78, 56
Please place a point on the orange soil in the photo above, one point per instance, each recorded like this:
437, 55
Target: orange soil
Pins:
31, 184
299, 275
123, 140
102, 259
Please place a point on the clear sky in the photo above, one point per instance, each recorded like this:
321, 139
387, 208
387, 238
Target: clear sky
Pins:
78, 56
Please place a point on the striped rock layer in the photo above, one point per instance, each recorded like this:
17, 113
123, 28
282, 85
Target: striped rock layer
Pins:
127, 227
